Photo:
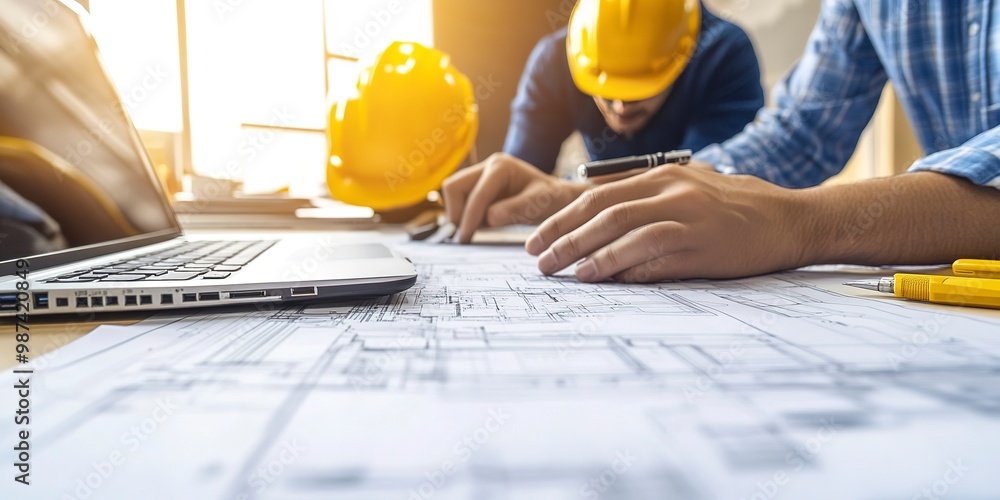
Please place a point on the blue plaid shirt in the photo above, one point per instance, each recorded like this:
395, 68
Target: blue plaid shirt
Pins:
943, 59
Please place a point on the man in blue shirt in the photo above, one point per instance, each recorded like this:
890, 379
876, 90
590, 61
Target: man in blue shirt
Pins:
715, 96
661, 75
709, 220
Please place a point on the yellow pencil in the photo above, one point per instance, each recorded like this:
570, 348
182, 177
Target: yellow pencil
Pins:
953, 290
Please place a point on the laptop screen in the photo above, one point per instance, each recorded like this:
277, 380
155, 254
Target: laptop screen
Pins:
73, 173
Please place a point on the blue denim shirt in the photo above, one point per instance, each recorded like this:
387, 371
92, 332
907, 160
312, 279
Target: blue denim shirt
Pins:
715, 97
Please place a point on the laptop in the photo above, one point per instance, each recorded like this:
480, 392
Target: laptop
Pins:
84, 223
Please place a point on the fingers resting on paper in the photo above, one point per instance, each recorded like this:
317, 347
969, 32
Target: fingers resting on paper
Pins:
503, 190
673, 222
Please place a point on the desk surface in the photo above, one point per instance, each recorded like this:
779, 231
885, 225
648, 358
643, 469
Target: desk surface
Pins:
711, 385
51, 332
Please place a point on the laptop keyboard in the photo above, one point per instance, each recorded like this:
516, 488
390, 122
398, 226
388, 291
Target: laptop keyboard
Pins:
207, 260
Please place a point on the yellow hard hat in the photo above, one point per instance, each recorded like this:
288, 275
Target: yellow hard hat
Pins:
410, 125
631, 50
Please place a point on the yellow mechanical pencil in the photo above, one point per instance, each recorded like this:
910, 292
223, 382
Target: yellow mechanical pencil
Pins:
953, 290
976, 268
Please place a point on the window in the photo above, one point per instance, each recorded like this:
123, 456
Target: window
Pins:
139, 43
259, 79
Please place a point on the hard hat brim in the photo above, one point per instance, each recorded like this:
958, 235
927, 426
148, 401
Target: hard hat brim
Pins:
384, 195
624, 88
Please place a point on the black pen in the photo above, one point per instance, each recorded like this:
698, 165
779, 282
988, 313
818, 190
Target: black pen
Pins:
617, 165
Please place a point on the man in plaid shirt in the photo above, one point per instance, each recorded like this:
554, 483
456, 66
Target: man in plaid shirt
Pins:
706, 220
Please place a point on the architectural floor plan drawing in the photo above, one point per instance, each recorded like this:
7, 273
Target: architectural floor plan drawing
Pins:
488, 380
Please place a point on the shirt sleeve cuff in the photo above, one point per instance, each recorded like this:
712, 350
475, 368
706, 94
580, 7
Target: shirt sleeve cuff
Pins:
978, 166
718, 157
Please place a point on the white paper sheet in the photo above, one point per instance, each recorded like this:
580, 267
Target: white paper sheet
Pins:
488, 380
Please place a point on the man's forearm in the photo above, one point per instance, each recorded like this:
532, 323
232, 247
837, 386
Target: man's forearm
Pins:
916, 218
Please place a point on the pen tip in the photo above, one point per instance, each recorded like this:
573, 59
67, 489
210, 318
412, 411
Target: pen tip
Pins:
865, 284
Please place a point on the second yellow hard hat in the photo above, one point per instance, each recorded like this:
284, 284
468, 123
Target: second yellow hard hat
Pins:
410, 124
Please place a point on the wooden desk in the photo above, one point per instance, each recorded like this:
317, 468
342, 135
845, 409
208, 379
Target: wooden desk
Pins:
49, 333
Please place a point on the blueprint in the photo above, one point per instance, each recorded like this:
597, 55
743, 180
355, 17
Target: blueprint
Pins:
488, 380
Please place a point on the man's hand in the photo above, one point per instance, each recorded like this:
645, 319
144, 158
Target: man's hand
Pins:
676, 222
503, 190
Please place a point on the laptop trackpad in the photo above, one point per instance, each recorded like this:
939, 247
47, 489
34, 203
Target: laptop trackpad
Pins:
341, 252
